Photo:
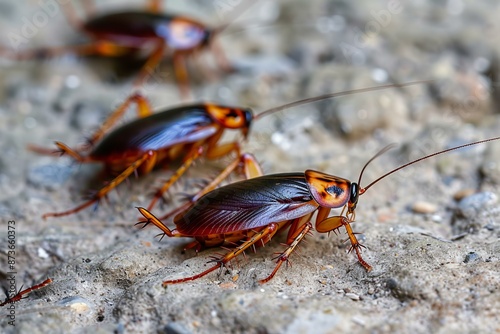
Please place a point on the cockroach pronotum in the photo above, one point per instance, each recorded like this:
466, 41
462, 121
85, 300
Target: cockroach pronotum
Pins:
186, 132
126, 33
22, 293
250, 212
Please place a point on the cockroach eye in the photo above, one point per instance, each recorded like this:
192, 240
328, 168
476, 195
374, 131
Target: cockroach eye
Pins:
248, 114
354, 193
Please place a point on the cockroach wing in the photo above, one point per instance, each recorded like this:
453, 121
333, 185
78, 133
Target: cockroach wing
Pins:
129, 26
329, 191
247, 205
159, 131
134, 27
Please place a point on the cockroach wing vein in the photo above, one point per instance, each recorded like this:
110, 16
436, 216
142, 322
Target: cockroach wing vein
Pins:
248, 205
158, 131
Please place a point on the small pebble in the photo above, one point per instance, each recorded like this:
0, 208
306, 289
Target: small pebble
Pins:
472, 257
76, 304
42, 253
175, 328
472, 206
80, 307
459, 195
353, 296
228, 285
423, 207
358, 320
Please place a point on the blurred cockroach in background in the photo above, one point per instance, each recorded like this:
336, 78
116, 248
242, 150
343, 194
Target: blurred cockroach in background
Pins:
131, 33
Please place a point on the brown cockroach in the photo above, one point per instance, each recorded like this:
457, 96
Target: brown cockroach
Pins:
250, 212
127, 33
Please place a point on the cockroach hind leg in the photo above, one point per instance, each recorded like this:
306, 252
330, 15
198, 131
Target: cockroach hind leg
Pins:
192, 278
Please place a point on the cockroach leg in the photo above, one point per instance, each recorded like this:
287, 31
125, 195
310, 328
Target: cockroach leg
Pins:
151, 64
207, 72
296, 228
355, 245
154, 6
64, 149
194, 154
181, 73
20, 295
251, 168
195, 244
150, 218
143, 110
302, 232
220, 57
326, 225
150, 155
268, 230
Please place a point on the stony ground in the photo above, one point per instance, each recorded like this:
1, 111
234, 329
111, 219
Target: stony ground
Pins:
431, 231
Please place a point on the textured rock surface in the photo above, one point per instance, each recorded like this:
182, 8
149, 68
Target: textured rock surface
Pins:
434, 271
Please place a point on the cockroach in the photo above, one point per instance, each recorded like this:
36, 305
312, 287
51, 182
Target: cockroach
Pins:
250, 212
126, 33
22, 293
188, 132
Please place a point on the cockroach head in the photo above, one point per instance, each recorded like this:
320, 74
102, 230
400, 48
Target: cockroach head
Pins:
231, 117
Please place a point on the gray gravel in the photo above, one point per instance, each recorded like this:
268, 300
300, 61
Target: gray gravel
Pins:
434, 270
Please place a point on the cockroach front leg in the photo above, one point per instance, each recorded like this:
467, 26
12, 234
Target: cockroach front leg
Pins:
334, 223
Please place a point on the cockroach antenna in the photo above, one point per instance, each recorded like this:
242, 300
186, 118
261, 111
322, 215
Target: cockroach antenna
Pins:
364, 189
336, 94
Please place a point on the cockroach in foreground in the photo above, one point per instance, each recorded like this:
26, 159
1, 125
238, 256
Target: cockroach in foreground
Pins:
188, 132
127, 33
22, 293
250, 212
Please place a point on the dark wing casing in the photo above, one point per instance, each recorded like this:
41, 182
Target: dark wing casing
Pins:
248, 204
159, 131
126, 25
136, 28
